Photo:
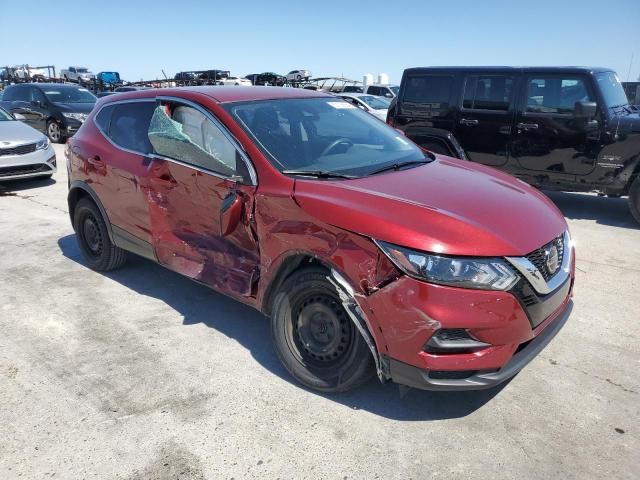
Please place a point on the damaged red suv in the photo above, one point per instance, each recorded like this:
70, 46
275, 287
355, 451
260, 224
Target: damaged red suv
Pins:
369, 254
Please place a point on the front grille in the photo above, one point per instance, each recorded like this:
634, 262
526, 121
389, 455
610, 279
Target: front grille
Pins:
19, 150
539, 257
24, 170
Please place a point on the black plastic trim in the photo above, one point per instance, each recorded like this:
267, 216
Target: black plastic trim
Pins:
133, 244
79, 184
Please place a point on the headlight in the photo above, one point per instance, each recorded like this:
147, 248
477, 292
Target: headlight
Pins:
81, 117
42, 144
479, 273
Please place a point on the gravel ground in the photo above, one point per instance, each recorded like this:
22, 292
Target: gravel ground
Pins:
143, 374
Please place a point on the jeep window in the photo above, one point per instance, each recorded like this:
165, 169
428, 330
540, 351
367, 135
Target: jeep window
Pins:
129, 125
555, 94
68, 94
611, 89
323, 134
186, 134
431, 91
487, 93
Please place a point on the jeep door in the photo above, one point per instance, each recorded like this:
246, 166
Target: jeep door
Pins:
201, 198
483, 122
551, 134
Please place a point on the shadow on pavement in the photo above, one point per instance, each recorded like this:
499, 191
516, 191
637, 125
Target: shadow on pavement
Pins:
604, 210
199, 304
8, 187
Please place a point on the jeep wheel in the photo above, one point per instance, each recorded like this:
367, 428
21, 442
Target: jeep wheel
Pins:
54, 132
93, 238
314, 337
634, 199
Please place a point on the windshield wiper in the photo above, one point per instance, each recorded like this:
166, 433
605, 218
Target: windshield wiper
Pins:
398, 166
317, 173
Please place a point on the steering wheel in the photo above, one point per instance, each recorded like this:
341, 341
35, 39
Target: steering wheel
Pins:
335, 143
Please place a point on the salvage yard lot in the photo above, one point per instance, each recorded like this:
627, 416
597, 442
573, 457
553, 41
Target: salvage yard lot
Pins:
141, 373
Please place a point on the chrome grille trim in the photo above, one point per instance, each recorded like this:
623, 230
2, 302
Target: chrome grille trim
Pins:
536, 277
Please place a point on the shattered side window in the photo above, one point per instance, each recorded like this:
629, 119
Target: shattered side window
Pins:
185, 134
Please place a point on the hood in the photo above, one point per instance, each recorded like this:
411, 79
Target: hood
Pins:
17, 133
629, 123
448, 206
75, 107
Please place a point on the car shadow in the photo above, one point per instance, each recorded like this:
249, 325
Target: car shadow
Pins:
199, 304
604, 210
12, 186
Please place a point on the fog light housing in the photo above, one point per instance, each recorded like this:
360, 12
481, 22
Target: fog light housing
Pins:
453, 340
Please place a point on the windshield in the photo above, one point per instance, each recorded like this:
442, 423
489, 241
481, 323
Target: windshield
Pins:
81, 70
377, 103
66, 94
324, 134
395, 90
611, 89
5, 116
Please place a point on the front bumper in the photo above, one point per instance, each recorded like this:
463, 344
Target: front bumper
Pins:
35, 164
415, 377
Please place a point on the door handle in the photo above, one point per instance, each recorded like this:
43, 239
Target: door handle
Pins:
527, 126
469, 121
96, 161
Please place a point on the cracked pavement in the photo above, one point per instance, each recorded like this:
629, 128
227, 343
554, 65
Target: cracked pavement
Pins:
143, 374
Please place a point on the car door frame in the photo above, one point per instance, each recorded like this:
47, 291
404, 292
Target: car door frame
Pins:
524, 117
237, 192
473, 114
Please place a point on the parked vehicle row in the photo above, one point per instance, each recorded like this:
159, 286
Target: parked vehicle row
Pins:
556, 128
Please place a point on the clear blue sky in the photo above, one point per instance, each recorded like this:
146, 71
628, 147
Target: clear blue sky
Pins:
139, 38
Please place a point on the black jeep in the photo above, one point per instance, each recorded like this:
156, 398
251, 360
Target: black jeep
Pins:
556, 128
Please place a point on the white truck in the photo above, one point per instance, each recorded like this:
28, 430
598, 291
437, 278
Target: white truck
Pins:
77, 74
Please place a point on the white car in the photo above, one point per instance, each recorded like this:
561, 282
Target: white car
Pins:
26, 72
376, 106
244, 82
298, 76
24, 151
387, 91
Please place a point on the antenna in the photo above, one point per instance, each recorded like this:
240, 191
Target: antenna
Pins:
629, 71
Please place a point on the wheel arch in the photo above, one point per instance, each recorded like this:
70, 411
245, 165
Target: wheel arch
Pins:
78, 190
423, 136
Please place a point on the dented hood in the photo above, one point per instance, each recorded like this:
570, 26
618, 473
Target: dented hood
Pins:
447, 206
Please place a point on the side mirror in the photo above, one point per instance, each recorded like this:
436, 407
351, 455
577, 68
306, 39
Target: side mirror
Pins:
585, 109
17, 116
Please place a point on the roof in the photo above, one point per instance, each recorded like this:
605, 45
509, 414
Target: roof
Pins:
568, 69
225, 94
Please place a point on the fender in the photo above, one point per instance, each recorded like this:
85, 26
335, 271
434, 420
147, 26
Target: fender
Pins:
422, 135
86, 188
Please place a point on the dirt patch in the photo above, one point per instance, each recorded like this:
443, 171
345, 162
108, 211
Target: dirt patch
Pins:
172, 463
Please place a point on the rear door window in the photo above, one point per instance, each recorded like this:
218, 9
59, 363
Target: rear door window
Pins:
129, 125
432, 92
103, 118
555, 94
184, 133
488, 92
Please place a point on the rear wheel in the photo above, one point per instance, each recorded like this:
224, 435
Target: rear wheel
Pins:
54, 132
634, 199
93, 238
314, 337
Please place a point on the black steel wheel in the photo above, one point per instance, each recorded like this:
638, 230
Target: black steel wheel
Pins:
315, 338
93, 238
634, 199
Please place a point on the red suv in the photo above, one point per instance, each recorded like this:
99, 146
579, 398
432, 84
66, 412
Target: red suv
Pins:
368, 253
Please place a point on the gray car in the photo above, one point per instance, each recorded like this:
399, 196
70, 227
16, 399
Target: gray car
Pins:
24, 151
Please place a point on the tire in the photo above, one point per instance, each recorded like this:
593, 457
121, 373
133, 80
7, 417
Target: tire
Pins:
319, 344
634, 199
54, 132
93, 238
299, 77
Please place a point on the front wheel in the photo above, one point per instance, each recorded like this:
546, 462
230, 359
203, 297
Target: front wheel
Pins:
314, 337
634, 199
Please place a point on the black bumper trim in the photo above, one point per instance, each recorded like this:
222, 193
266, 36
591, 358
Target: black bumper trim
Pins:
415, 377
